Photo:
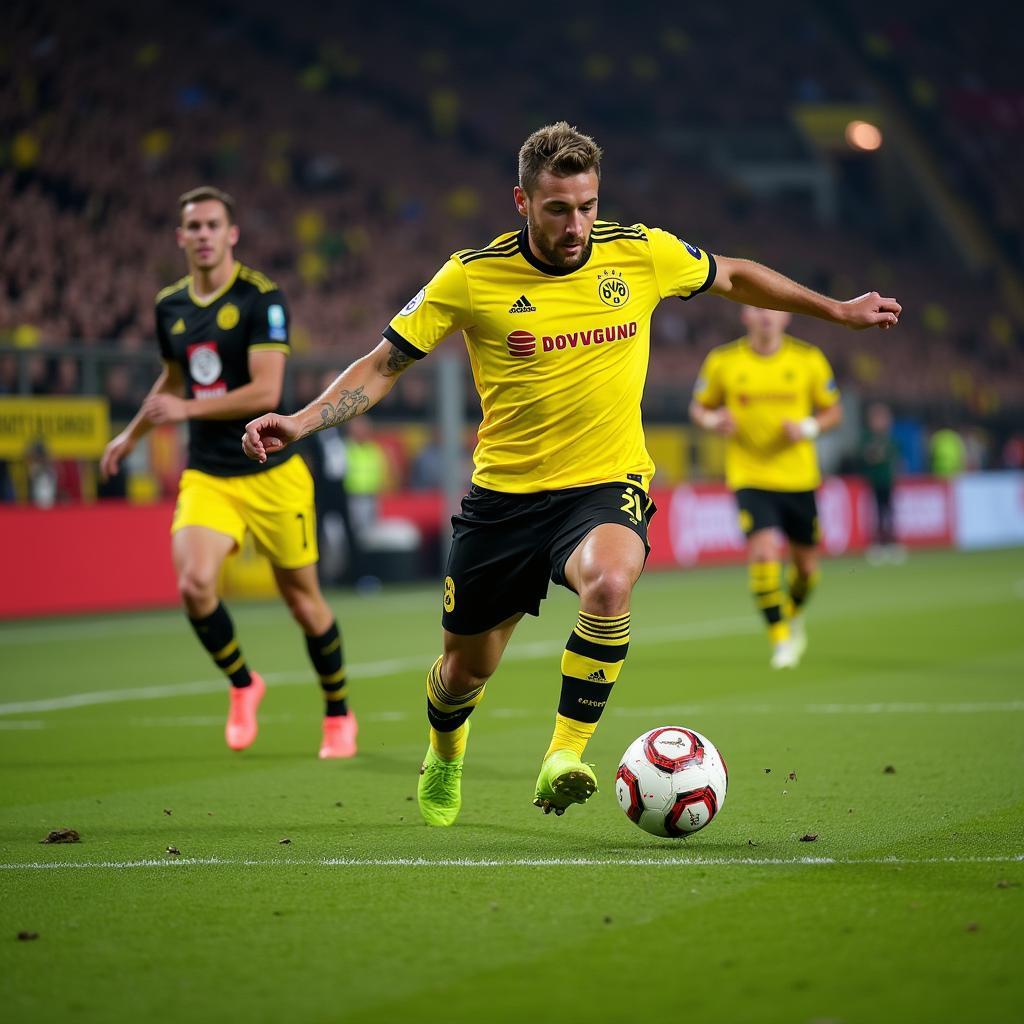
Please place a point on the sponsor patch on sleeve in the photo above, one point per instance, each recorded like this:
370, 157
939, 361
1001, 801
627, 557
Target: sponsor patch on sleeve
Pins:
277, 329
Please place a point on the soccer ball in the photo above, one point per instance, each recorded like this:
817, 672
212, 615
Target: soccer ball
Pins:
671, 781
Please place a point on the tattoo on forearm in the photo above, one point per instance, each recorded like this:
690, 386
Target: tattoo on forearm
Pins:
397, 362
350, 403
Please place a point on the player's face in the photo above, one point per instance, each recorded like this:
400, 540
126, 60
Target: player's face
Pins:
764, 325
206, 235
560, 214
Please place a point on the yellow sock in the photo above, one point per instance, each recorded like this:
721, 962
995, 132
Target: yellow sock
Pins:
766, 586
447, 714
449, 745
570, 735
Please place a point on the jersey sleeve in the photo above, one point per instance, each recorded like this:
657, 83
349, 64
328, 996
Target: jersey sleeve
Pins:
708, 388
433, 313
269, 323
682, 269
824, 390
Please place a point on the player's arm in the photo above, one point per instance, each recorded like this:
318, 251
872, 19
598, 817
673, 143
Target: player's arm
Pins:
355, 391
718, 419
756, 285
170, 383
266, 373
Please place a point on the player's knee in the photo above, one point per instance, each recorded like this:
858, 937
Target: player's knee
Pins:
197, 589
607, 591
462, 673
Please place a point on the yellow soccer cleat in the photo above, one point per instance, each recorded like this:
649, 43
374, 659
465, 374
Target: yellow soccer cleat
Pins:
440, 788
564, 780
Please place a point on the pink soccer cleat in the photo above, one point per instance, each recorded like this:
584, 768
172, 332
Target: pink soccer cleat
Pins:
339, 736
245, 700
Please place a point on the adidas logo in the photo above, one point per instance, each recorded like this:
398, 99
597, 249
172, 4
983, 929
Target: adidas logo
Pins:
179, 327
522, 305
597, 677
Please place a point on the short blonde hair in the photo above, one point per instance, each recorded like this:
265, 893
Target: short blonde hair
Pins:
560, 149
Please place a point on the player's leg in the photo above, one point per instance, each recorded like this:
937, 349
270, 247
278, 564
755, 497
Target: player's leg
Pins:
300, 589
497, 571
602, 569
199, 553
278, 507
455, 686
801, 527
760, 520
207, 527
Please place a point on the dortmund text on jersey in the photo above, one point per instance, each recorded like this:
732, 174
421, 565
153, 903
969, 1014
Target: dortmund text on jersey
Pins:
210, 339
559, 356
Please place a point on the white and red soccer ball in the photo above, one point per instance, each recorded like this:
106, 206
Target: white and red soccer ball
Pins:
671, 782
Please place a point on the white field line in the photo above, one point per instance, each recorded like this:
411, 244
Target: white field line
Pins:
520, 862
681, 712
364, 670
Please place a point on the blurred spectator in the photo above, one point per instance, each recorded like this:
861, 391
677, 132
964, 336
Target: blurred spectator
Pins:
1013, 452
948, 453
879, 459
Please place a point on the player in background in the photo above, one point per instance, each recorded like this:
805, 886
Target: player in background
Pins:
223, 335
771, 395
556, 318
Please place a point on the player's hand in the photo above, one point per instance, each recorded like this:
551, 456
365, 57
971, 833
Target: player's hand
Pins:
871, 310
793, 431
116, 450
723, 422
269, 434
165, 409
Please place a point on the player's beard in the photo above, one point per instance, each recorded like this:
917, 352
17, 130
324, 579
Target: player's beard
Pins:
551, 253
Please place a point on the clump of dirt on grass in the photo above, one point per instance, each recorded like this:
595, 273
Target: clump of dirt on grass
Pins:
62, 835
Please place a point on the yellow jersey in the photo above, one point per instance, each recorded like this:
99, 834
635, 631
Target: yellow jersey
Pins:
761, 391
559, 356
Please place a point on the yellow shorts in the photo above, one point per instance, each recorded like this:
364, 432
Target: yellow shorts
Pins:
276, 506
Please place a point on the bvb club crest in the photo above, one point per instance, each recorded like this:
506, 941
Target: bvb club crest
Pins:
612, 289
227, 316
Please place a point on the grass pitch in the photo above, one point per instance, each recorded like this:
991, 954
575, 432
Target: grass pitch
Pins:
310, 891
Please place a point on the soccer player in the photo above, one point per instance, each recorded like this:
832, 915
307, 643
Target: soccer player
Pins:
223, 335
771, 396
556, 317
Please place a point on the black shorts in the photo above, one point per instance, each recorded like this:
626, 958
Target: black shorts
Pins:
506, 547
794, 513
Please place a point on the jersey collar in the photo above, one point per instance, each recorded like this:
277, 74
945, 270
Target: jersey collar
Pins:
219, 293
547, 268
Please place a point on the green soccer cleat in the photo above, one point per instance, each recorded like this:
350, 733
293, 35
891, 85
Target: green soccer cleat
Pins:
564, 780
440, 788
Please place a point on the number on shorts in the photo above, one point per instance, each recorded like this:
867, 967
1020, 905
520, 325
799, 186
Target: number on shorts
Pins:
301, 516
631, 504
449, 594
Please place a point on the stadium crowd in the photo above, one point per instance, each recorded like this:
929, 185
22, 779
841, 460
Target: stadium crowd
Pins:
353, 181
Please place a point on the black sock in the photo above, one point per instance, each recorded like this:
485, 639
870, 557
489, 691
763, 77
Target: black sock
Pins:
328, 659
216, 633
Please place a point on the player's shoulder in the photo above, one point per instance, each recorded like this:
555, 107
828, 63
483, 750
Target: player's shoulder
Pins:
250, 279
802, 348
605, 231
729, 349
505, 245
179, 286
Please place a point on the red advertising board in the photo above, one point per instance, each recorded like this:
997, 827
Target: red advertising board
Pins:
697, 524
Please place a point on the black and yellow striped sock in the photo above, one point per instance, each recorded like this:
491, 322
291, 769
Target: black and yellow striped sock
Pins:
216, 633
800, 589
328, 659
591, 663
766, 586
447, 714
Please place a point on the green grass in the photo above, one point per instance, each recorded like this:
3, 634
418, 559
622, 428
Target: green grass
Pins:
912, 911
